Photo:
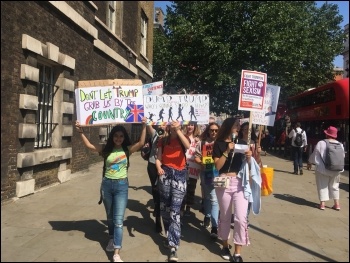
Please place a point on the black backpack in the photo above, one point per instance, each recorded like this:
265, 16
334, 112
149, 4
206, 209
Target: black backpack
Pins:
299, 138
147, 148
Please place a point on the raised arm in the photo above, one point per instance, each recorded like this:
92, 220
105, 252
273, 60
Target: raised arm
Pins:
87, 143
182, 137
137, 146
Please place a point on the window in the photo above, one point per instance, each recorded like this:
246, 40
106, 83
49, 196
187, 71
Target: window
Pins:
111, 15
143, 34
45, 93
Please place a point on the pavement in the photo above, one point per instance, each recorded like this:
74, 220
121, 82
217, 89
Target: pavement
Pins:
64, 223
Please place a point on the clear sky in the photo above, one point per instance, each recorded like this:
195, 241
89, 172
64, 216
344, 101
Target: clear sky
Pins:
343, 10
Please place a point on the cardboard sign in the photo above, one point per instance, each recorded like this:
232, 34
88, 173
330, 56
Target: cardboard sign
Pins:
155, 88
164, 109
112, 103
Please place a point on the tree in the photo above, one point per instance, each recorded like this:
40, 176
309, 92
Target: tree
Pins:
206, 46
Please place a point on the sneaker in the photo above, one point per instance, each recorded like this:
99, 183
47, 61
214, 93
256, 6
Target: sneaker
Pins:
110, 246
206, 222
225, 253
116, 258
237, 258
301, 172
336, 207
173, 256
214, 233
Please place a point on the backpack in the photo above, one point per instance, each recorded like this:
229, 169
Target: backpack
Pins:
334, 158
147, 148
299, 138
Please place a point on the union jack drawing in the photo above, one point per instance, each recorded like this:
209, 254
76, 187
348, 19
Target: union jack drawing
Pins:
136, 113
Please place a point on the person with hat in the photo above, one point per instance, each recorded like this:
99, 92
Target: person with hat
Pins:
327, 181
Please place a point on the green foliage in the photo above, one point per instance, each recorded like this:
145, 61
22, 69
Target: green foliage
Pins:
206, 46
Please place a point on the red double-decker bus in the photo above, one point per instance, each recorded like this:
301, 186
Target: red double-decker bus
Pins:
318, 108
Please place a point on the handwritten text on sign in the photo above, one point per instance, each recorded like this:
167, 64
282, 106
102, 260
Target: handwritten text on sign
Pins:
109, 104
184, 108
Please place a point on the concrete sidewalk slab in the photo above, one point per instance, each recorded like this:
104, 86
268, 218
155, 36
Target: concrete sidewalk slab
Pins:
64, 223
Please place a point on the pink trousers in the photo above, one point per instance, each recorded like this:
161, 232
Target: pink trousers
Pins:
226, 197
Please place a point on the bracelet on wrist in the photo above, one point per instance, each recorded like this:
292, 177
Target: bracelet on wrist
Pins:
225, 155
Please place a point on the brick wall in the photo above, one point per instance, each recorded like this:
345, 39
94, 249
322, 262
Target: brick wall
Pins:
43, 22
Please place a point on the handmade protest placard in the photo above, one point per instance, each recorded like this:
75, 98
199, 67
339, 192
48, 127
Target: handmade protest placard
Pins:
113, 101
155, 88
164, 109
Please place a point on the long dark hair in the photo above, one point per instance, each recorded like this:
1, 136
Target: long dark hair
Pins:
225, 129
110, 144
205, 134
252, 135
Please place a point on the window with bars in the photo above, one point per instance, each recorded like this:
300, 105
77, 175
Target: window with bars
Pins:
45, 93
144, 23
111, 15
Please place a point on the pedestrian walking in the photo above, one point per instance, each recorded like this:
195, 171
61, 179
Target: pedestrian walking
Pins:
234, 167
152, 171
114, 187
203, 156
298, 148
192, 131
171, 167
327, 181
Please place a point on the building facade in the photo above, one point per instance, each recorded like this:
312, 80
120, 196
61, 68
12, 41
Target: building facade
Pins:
46, 48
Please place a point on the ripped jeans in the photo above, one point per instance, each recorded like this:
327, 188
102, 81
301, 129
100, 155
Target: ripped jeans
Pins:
115, 198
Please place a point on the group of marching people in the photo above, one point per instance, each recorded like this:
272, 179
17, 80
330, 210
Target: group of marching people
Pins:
181, 156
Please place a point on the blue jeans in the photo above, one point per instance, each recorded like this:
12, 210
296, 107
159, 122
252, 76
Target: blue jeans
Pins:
297, 153
115, 198
211, 205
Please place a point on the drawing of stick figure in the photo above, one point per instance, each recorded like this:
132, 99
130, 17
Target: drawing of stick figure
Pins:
161, 115
180, 113
150, 116
192, 113
170, 114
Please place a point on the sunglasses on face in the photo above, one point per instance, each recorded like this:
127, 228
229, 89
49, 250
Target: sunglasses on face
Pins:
213, 130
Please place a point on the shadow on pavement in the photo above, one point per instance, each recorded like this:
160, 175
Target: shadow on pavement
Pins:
295, 200
144, 224
281, 239
344, 187
93, 229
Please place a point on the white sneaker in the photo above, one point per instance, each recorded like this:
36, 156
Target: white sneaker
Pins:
110, 246
116, 258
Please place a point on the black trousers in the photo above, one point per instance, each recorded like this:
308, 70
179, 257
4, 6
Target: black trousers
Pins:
153, 177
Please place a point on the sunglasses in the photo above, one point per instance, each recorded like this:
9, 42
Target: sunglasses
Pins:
213, 130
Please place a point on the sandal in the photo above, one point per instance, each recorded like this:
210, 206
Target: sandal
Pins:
321, 207
336, 207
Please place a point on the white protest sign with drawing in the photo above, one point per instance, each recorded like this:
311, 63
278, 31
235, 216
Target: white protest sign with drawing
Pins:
155, 88
268, 115
165, 108
109, 104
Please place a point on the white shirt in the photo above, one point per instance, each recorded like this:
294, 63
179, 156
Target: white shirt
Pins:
319, 155
293, 134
